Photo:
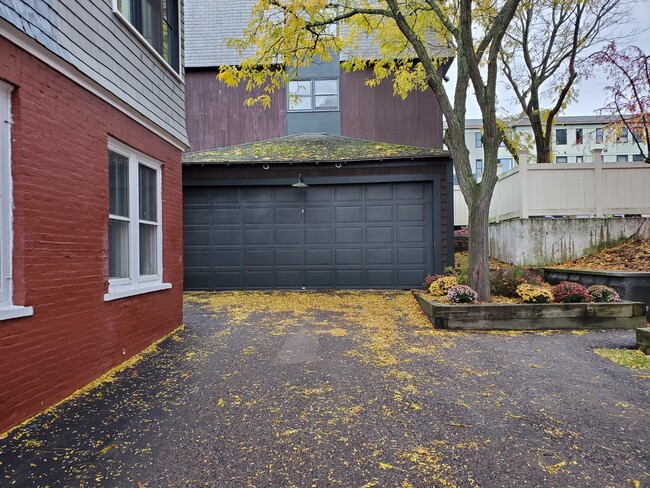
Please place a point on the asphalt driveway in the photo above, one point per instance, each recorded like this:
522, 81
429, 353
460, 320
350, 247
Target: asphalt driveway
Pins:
349, 389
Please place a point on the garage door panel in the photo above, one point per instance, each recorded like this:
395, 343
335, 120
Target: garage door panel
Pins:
318, 257
198, 196
288, 278
257, 216
226, 216
260, 237
380, 278
197, 237
408, 213
286, 195
228, 257
378, 235
288, 216
411, 191
198, 215
411, 234
411, 255
225, 195
258, 257
349, 278
227, 237
380, 256
379, 192
410, 277
318, 194
348, 214
197, 258
318, 215
200, 280
228, 279
347, 193
257, 194
319, 277
318, 235
348, 257
258, 278
288, 257
379, 213
349, 235
290, 236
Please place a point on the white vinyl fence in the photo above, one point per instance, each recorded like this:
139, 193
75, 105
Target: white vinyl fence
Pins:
585, 189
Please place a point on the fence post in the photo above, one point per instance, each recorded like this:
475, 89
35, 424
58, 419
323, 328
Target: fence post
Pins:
597, 159
523, 181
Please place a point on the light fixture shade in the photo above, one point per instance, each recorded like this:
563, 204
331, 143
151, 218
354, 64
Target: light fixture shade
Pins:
300, 183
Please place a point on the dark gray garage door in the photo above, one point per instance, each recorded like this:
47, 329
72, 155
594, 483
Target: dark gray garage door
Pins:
338, 236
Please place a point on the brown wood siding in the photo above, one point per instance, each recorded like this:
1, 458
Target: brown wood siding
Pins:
375, 114
285, 171
216, 115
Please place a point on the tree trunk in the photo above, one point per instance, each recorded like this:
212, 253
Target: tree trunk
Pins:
479, 250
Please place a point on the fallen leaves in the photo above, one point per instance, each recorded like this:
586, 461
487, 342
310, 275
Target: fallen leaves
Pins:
633, 255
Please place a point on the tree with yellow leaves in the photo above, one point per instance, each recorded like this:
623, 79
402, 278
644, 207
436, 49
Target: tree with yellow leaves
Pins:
412, 40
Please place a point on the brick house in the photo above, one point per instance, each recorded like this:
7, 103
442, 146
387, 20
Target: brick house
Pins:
92, 104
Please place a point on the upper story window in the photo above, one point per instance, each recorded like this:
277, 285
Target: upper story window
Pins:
623, 137
477, 139
134, 224
579, 136
599, 136
506, 163
479, 166
157, 21
560, 137
313, 95
7, 309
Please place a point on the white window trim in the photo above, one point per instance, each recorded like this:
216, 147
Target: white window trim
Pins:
313, 96
177, 74
136, 284
7, 309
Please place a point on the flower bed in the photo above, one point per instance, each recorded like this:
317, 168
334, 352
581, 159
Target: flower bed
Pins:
538, 316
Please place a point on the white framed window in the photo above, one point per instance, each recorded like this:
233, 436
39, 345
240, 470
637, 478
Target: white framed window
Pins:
313, 95
560, 137
562, 159
621, 158
579, 159
479, 166
477, 139
157, 23
134, 223
7, 308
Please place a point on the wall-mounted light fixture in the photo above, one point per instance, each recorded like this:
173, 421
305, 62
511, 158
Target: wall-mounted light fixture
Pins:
300, 183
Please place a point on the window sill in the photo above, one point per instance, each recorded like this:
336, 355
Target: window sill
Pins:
151, 49
15, 312
130, 291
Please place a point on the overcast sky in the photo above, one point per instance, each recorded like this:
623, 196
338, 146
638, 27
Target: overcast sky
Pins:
591, 93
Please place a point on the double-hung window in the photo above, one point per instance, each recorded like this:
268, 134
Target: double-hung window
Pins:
599, 136
157, 22
560, 137
313, 95
7, 309
134, 223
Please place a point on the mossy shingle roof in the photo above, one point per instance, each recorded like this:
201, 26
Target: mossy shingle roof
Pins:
310, 148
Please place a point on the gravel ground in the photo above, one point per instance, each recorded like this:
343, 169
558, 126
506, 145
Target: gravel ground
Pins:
349, 389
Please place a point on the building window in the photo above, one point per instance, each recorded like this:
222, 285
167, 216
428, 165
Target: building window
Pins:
134, 223
561, 159
560, 137
157, 21
638, 157
506, 163
623, 136
479, 166
621, 158
313, 95
7, 309
477, 139
599, 136
579, 136
579, 159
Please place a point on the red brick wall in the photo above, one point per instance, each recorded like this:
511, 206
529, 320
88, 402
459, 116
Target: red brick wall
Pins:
60, 177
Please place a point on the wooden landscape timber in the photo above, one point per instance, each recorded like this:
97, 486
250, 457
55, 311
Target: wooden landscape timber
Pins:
544, 316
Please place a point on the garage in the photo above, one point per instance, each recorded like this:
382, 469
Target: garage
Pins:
314, 222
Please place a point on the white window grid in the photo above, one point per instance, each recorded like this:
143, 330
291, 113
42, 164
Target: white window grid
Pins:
312, 94
134, 278
6, 203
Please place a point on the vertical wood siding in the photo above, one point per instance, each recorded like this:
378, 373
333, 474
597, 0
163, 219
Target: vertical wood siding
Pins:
217, 117
375, 114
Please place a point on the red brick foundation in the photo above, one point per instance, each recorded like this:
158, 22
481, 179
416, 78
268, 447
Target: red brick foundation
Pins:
60, 177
